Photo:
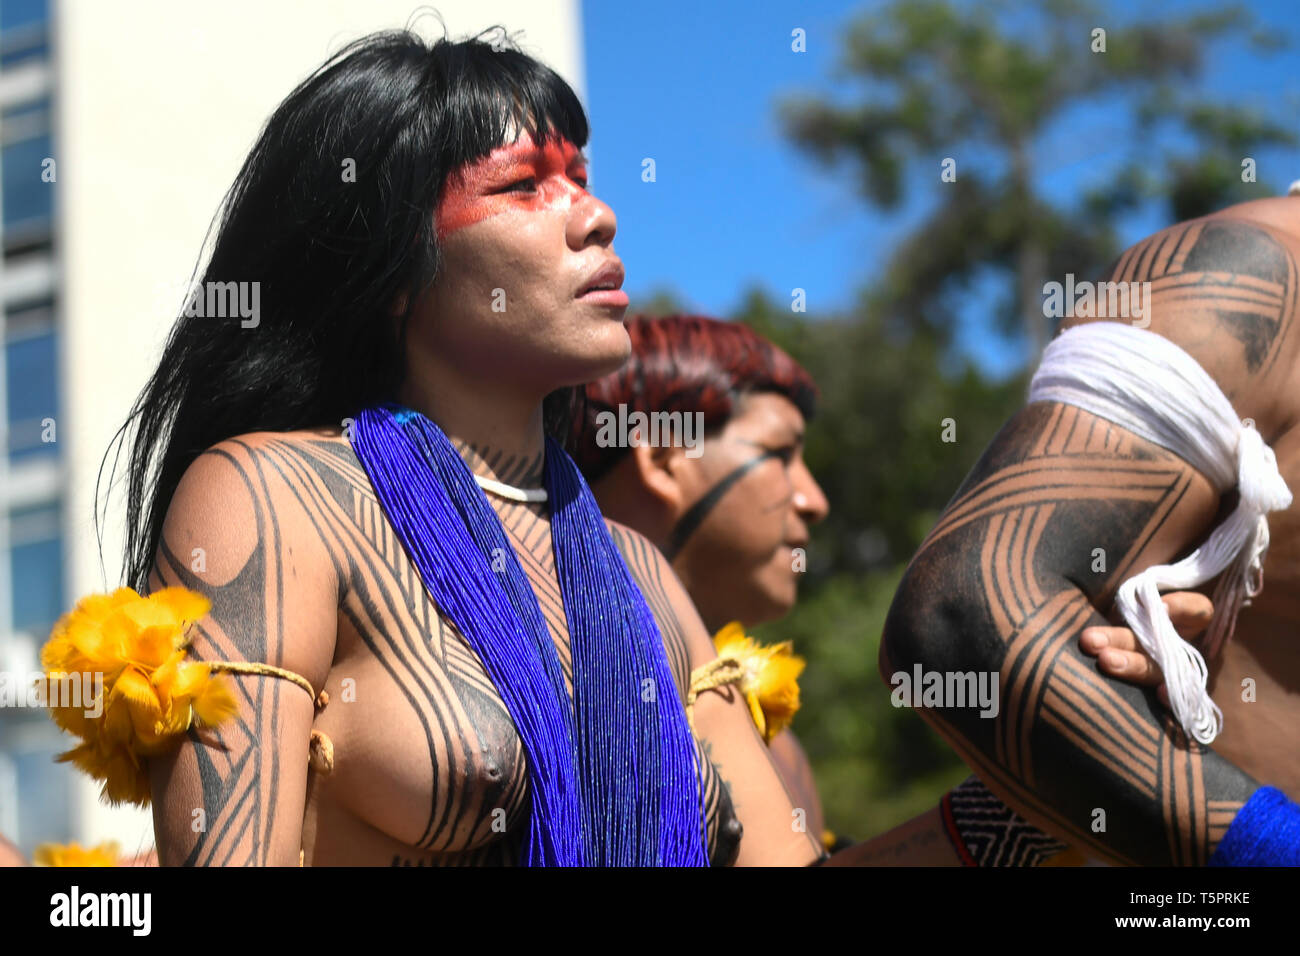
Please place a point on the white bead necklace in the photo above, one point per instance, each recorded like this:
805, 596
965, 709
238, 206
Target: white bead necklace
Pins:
510, 491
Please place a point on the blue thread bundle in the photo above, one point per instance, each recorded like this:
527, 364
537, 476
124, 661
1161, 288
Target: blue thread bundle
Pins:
612, 773
1265, 832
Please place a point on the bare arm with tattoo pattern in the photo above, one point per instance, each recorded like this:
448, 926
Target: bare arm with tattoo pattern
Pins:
1005, 581
234, 795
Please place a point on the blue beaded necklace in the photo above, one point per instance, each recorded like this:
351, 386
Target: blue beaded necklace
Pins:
612, 773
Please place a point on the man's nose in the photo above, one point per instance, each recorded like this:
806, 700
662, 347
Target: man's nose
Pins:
809, 499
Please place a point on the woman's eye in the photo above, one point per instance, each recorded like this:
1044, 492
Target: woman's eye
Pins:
581, 181
524, 185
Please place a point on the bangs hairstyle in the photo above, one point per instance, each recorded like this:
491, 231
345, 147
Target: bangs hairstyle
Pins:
686, 363
332, 214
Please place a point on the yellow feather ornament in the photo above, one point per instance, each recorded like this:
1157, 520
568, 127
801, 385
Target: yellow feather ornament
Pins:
769, 677
150, 693
55, 854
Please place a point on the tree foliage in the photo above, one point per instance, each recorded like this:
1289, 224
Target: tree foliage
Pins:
991, 85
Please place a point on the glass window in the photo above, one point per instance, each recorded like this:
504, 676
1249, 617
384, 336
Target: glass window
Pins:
33, 44
30, 318
25, 113
8, 794
36, 568
26, 121
32, 393
26, 196
44, 793
23, 13
24, 31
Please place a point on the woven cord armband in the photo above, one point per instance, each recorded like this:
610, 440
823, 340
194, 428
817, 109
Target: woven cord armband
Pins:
767, 677
146, 695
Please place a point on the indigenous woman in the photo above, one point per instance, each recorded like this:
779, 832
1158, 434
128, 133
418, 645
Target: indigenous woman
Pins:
405, 573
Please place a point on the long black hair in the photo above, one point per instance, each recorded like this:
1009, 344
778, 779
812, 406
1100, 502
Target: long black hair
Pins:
333, 215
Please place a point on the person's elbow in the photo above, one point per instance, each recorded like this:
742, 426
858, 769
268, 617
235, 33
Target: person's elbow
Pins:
934, 624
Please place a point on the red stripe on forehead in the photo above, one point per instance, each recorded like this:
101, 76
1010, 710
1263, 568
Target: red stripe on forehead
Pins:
558, 152
470, 195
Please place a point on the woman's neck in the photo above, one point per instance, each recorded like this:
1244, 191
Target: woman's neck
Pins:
521, 470
500, 436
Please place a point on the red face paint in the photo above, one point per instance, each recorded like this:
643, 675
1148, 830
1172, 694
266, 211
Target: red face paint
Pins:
499, 183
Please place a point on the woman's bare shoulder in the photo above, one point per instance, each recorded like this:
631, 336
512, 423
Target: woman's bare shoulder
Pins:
683, 633
285, 460
269, 490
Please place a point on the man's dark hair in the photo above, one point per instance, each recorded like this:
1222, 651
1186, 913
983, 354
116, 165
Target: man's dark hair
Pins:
685, 363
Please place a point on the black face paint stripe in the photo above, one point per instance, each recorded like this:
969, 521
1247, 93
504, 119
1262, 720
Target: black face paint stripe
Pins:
696, 514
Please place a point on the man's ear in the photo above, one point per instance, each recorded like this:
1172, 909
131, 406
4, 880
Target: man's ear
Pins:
660, 470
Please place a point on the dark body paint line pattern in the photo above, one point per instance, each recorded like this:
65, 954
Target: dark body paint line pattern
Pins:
1231, 270
239, 795
470, 745
1053, 478
1056, 485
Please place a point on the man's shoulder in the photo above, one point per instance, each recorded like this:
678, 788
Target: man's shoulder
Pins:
1225, 288
1278, 214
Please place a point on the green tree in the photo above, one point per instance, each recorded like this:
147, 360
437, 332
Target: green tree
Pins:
976, 85
987, 89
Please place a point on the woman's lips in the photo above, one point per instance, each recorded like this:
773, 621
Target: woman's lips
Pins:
612, 297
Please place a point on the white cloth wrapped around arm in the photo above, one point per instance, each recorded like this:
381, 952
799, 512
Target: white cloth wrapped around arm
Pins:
1148, 385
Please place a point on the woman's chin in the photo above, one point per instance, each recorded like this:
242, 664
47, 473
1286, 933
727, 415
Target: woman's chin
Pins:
603, 358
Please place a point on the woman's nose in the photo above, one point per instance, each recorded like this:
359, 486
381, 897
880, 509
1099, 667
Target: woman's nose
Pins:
591, 221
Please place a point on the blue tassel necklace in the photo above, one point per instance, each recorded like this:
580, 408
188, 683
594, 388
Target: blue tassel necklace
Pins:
612, 773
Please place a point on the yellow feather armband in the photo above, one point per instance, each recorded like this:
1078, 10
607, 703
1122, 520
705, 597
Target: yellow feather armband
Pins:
73, 854
138, 694
767, 676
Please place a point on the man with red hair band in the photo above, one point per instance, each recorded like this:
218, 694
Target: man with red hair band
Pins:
730, 519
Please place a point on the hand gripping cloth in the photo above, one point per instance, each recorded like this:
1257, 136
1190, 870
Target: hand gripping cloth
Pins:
1144, 383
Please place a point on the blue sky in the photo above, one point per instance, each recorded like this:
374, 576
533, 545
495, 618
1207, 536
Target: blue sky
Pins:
694, 85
